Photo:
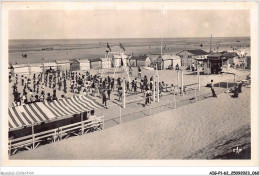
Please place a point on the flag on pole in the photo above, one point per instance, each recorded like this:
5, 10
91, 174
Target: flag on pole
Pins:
108, 47
121, 46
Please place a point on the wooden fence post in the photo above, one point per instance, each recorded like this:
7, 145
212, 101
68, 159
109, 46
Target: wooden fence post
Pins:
120, 114
227, 84
33, 137
174, 100
195, 94
82, 124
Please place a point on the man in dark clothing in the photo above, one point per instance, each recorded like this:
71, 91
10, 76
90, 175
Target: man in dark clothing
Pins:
240, 88
108, 92
235, 92
213, 92
104, 98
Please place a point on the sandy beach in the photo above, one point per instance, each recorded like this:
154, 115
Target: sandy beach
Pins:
173, 134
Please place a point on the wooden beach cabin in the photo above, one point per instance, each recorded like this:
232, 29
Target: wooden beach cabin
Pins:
63, 65
105, 62
84, 64
233, 58
80, 64
213, 63
49, 66
188, 56
170, 61
20, 69
95, 63
36, 68
140, 61
156, 61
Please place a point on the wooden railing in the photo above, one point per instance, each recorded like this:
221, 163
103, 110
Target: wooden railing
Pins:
35, 139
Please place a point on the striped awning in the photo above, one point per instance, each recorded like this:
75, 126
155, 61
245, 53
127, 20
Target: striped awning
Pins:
73, 105
26, 115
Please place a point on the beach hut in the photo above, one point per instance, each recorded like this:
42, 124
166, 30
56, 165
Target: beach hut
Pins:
189, 56
75, 65
84, 64
20, 69
170, 61
95, 63
213, 63
36, 68
105, 62
63, 65
140, 61
233, 58
49, 66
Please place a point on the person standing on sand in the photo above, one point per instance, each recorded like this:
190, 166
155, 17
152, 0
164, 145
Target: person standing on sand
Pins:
108, 92
104, 98
213, 92
139, 72
235, 91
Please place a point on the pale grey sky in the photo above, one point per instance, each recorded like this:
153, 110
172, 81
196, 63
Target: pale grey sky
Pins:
65, 24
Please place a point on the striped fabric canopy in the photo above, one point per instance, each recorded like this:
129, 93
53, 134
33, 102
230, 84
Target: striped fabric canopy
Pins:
39, 112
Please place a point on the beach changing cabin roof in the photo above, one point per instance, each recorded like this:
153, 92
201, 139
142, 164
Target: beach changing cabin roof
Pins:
140, 57
28, 114
20, 65
83, 60
195, 52
94, 60
62, 61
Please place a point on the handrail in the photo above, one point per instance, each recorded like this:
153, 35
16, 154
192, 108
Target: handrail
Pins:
31, 139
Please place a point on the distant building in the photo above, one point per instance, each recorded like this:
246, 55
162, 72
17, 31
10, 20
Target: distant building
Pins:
20, 69
188, 56
118, 59
49, 65
156, 61
80, 64
170, 61
140, 61
105, 62
95, 63
233, 58
213, 63
36, 68
63, 65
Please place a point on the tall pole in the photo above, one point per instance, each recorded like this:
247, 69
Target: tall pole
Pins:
158, 96
124, 93
210, 43
181, 82
154, 88
198, 79
178, 77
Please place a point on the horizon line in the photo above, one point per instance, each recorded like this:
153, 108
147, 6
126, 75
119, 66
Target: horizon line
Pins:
126, 38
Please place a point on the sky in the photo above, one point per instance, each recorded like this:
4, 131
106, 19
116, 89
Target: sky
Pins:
84, 24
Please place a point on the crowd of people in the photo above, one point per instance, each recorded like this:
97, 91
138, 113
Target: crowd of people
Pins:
34, 87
